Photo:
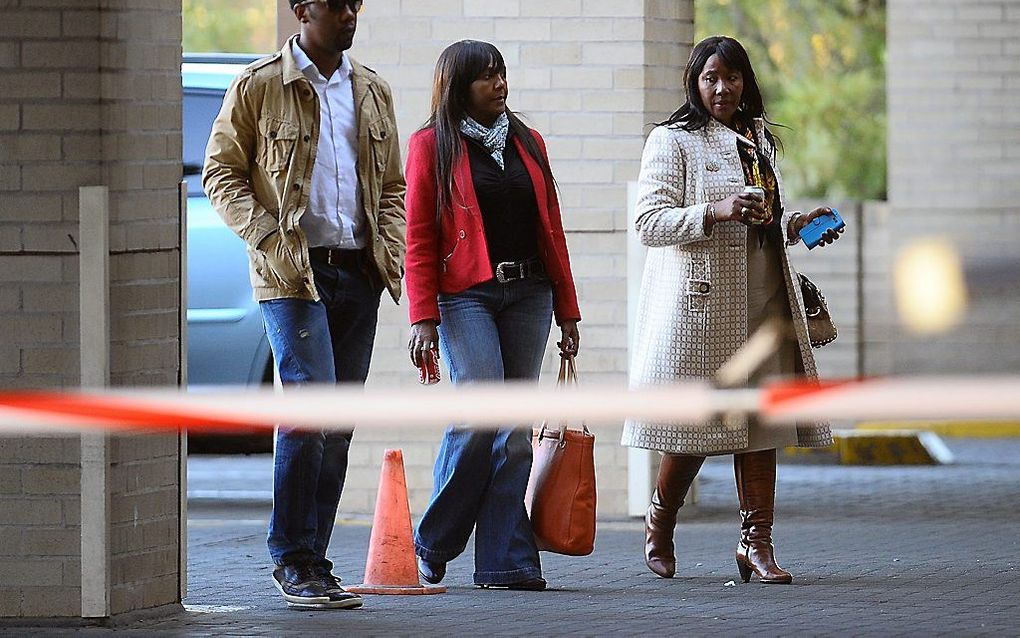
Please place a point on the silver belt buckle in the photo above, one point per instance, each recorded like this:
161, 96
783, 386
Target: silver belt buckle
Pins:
501, 276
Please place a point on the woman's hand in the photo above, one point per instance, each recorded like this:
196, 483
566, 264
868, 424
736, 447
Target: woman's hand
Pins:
424, 337
742, 207
570, 338
803, 220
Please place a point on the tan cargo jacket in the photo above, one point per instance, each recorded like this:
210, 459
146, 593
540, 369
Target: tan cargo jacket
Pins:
258, 172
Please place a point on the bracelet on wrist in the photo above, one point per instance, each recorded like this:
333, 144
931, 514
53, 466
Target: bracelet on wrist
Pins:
791, 226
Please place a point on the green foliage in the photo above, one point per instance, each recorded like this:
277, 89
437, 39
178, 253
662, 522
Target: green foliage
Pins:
229, 26
821, 67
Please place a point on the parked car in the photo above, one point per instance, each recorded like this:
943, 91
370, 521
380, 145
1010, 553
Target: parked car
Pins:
227, 342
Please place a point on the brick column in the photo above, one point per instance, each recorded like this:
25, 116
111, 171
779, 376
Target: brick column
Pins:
91, 97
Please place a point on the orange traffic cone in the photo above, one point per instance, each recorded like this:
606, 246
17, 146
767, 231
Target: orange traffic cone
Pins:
391, 567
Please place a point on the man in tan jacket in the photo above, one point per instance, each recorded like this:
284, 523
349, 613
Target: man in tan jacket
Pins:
304, 165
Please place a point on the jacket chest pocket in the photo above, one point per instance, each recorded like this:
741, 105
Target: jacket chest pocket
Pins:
379, 132
278, 138
723, 175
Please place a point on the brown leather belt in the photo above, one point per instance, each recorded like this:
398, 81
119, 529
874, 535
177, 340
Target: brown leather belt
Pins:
349, 258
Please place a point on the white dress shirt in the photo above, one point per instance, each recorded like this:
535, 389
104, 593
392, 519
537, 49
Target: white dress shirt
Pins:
335, 217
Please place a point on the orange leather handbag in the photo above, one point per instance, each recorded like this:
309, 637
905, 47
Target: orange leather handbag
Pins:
561, 491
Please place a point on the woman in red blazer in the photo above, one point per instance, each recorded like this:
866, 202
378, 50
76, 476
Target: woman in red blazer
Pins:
486, 270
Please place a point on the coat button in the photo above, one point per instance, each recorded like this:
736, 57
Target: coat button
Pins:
272, 133
290, 231
703, 287
307, 137
296, 186
712, 166
463, 234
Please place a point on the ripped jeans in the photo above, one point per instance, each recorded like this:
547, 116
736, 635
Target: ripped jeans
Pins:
328, 341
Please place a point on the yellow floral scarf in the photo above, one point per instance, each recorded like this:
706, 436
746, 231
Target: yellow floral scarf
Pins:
758, 171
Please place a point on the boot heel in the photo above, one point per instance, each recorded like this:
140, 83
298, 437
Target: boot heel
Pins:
744, 569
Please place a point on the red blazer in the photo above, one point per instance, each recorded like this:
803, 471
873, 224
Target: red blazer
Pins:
454, 257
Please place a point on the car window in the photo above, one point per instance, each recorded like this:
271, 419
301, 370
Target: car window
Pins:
200, 108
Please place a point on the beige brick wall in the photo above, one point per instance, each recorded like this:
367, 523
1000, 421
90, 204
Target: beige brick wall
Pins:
954, 164
590, 75
91, 96
40, 573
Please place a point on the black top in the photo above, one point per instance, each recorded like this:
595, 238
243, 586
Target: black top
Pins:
507, 201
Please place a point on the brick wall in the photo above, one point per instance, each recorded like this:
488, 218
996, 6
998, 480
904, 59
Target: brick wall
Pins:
590, 86
40, 551
954, 161
91, 96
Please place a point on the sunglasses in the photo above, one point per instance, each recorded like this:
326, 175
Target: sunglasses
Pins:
336, 6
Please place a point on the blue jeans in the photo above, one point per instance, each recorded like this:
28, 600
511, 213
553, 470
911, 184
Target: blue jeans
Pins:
490, 332
328, 341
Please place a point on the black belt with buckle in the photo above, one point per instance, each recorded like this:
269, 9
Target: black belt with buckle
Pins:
507, 271
350, 258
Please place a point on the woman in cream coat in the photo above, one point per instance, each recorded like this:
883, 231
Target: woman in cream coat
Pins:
717, 268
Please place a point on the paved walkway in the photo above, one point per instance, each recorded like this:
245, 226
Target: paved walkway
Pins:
875, 551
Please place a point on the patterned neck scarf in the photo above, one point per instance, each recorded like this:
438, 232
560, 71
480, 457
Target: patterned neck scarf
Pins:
758, 171
493, 139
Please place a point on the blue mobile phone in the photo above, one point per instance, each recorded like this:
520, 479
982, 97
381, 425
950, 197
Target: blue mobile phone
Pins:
813, 231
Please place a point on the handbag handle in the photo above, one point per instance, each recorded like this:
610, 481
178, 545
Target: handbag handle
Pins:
566, 378
568, 371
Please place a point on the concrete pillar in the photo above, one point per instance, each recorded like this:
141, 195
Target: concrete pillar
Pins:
953, 75
92, 96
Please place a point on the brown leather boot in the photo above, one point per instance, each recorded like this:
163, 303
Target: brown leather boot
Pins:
676, 473
756, 488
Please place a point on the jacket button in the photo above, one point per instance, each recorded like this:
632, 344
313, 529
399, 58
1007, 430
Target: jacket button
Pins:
296, 186
307, 137
703, 287
272, 133
290, 231
463, 234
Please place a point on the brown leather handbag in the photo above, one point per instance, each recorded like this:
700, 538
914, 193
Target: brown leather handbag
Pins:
821, 329
561, 491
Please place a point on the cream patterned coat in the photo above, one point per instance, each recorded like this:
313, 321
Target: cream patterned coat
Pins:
692, 312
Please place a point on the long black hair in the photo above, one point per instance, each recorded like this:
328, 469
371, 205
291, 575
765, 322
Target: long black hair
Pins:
692, 114
458, 66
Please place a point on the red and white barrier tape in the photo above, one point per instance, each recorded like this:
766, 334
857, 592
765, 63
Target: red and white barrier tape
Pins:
895, 398
339, 407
